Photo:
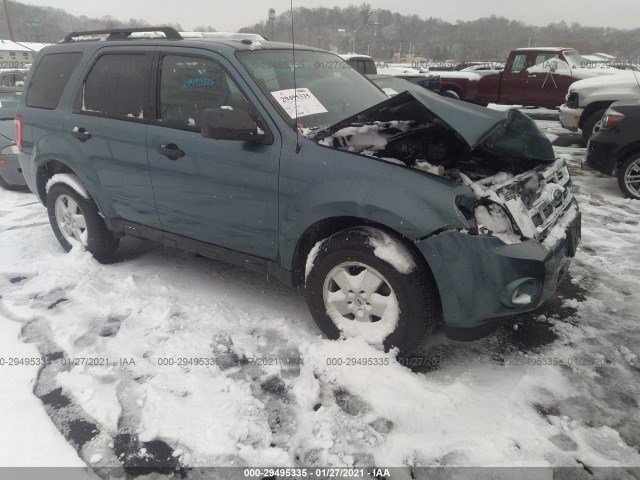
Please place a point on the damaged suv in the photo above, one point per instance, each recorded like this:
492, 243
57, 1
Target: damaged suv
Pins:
393, 214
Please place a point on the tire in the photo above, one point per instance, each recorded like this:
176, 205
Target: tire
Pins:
76, 219
349, 256
590, 125
450, 93
629, 177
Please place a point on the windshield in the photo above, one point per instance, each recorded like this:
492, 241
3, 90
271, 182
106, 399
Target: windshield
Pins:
574, 59
329, 90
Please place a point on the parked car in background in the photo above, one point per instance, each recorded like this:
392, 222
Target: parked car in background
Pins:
393, 85
13, 78
393, 214
589, 99
362, 63
531, 76
615, 148
10, 171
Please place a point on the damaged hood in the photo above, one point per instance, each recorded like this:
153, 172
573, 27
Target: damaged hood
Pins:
509, 133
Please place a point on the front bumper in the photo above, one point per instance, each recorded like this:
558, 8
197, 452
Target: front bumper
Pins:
570, 117
477, 276
10, 171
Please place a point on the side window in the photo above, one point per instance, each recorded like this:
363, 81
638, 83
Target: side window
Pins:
545, 57
49, 79
518, 63
190, 85
116, 86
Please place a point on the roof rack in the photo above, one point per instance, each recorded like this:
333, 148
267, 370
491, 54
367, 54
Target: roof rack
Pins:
123, 33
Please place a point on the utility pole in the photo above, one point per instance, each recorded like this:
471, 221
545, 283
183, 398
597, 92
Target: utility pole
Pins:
272, 19
6, 12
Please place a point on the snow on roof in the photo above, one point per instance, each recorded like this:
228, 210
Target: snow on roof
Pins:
548, 49
600, 56
349, 56
13, 46
223, 35
36, 47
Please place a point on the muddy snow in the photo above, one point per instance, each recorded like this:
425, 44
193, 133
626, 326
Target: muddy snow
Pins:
166, 359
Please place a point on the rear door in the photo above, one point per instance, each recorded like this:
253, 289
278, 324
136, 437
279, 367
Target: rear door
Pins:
217, 191
108, 126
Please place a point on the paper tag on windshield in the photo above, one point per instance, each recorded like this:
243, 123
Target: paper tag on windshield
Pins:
389, 91
307, 103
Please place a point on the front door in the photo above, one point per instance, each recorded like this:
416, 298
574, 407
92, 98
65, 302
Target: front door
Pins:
217, 191
514, 80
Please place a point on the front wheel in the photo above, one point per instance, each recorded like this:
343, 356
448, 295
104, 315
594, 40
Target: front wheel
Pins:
629, 177
365, 283
76, 220
450, 93
591, 125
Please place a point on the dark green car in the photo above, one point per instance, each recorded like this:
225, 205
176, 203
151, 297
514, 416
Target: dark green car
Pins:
394, 214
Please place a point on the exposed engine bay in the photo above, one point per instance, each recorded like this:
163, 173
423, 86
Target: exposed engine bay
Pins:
520, 188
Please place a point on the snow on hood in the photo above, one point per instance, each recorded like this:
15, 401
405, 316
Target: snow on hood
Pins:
625, 79
501, 132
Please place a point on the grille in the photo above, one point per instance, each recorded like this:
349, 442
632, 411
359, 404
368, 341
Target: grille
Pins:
536, 200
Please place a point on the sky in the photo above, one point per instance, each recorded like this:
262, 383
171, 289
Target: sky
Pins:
232, 15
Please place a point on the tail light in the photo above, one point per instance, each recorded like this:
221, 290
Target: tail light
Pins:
610, 119
17, 122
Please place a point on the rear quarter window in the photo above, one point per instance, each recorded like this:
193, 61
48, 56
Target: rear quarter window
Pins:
50, 78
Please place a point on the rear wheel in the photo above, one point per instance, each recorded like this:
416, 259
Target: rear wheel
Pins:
450, 93
76, 220
629, 177
388, 300
591, 125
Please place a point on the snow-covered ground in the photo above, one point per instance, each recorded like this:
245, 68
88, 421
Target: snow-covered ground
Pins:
165, 358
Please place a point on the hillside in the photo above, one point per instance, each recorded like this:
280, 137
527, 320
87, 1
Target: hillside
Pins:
378, 32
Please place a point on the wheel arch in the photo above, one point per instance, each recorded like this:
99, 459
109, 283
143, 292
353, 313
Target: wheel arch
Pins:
327, 227
451, 86
591, 108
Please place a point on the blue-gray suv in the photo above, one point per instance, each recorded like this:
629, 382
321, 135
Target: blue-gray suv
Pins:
394, 214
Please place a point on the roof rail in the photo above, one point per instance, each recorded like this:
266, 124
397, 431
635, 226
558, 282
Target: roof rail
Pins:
124, 33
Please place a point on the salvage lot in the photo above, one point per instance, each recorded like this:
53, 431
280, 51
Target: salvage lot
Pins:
556, 387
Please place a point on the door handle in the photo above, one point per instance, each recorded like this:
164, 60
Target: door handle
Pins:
171, 151
533, 76
80, 133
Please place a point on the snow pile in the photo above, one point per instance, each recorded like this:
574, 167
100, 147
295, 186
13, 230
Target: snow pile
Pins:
324, 403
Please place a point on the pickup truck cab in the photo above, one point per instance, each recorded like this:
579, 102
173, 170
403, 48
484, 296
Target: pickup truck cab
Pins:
531, 76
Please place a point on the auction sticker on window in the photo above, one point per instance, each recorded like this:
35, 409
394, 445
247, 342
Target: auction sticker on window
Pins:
307, 103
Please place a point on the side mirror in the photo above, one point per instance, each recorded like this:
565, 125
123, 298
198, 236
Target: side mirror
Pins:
554, 67
19, 83
228, 124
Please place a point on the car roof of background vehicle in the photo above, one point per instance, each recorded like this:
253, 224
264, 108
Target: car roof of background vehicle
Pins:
544, 49
148, 36
350, 56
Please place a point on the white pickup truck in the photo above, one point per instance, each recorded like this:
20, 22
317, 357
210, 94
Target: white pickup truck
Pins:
588, 99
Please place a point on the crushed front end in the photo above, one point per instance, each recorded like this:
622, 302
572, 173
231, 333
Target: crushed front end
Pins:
524, 220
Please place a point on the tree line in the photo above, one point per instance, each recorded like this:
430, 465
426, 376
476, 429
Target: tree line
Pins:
363, 29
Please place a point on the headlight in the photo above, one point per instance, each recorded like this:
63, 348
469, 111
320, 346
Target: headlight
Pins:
10, 150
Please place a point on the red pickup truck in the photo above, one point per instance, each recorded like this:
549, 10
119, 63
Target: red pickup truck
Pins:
531, 76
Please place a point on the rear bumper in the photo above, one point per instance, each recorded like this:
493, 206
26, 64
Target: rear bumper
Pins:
26, 163
11, 171
570, 117
478, 277
602, 155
